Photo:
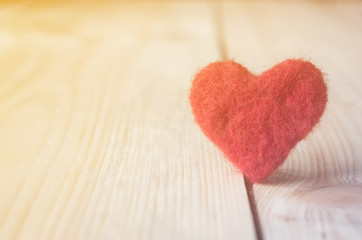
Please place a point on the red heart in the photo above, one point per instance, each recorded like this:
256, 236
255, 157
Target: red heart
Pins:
257, 120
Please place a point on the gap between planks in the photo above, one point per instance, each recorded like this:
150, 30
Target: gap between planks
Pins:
220, 37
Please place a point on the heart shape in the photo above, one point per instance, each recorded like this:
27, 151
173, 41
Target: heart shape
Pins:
257, 120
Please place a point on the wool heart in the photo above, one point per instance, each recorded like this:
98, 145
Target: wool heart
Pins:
257, 120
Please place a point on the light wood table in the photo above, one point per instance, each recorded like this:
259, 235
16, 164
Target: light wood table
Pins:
97, 139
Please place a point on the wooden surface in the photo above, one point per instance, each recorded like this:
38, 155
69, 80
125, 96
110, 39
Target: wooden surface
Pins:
97, 140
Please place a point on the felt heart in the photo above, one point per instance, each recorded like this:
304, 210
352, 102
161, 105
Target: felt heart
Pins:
257, 120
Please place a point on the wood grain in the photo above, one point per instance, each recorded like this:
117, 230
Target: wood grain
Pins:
97, 140
317, 193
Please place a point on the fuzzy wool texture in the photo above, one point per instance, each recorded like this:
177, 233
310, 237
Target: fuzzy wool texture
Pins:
257, 120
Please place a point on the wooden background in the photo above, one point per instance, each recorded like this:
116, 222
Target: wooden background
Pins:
97, 140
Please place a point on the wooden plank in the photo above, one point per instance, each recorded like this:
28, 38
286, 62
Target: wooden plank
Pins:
317, 193
97, 140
